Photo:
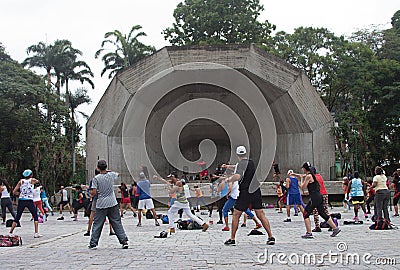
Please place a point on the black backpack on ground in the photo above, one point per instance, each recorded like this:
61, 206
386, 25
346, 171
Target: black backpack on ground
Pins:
149, 215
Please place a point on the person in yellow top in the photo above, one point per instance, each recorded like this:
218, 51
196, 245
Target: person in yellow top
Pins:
200, 199
382, 194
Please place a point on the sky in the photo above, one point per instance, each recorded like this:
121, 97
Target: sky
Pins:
84, 23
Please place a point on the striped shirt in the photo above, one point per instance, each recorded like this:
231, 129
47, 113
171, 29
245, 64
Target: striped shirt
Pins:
104, 184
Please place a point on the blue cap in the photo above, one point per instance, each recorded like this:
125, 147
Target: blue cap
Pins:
27, 172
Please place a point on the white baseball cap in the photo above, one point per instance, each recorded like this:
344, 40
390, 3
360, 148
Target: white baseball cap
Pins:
241, 150
290, 172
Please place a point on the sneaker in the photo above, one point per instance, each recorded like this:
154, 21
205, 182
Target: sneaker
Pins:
139, 224
335, 232
307, 236
243, 225
220, 222
258, 226
396, 215
92, 247
86, 234
365, 216
230, 242
134, 215
125, 245
205, 227
317, 230
296, 214
3, 223
111, 233
287, 220
355, 218
171, 230
271, 241
225, 229
157, 224
75, 219
60, 218
37, 235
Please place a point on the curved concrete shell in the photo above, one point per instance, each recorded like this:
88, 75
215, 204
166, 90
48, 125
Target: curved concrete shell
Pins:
182, 105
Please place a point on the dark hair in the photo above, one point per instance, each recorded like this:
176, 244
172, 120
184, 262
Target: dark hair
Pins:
102, 165
5, 182
378, 170
96, 171
307, 166
356, 174
313, 170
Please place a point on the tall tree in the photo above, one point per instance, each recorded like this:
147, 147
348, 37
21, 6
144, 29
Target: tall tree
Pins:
218, 22
124, 50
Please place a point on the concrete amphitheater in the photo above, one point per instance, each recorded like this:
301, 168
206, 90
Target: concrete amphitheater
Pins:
282, 115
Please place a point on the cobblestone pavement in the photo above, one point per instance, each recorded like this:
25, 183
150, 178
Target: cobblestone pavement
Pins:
63, 246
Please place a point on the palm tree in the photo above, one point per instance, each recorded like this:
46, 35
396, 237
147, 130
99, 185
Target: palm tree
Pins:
75, 100
128, 50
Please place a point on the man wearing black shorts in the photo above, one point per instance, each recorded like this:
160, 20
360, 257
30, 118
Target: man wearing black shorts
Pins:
245, 174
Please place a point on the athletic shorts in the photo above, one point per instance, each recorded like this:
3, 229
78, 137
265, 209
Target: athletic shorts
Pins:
204, 173
125, 201
293, 199
146, 203
396, 198
247, 200
63, 203
357, 200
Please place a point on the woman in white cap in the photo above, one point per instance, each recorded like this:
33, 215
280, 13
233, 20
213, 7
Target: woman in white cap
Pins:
25, 190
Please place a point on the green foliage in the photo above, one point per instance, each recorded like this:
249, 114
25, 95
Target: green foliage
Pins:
124, 50
31, 114
218, 22
358, 78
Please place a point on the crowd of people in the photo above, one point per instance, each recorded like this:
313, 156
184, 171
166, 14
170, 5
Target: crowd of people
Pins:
233, 188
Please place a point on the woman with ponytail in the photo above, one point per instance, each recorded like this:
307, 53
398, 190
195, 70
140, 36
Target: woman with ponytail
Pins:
316, 201
6, 202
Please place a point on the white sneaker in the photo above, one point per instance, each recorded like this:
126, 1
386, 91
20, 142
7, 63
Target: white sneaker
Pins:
37, 235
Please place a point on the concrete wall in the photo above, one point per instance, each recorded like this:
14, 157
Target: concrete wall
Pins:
301, 120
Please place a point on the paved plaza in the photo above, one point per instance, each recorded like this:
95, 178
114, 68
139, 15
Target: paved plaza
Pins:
63, 246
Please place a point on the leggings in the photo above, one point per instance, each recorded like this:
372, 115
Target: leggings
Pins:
46, 203
6, 203
368, 202
21, 207
221, 203
317, 202
39, 205
316, 216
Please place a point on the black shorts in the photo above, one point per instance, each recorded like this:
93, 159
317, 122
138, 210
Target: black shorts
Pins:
63, 203
357, 200
396, 198
249, 200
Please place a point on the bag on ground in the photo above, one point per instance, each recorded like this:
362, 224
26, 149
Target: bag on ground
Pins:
149, 215
10, 241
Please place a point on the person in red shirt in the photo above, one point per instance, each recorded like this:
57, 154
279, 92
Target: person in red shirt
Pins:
324, 194
370, 196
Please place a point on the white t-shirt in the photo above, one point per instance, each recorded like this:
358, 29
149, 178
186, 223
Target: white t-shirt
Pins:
235, 187
36, 194
64, 195
235, 190
186, 189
